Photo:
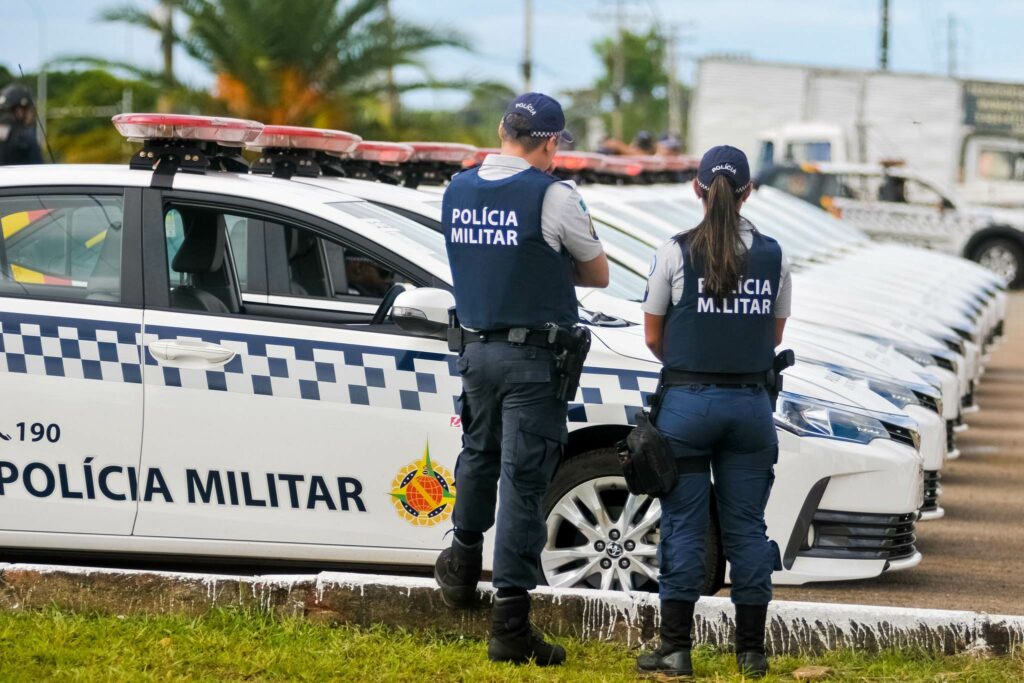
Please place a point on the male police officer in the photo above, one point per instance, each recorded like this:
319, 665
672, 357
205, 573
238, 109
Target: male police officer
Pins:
518, 241
18, 143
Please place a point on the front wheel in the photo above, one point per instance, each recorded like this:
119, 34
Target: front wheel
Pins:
1004, 257
602, 536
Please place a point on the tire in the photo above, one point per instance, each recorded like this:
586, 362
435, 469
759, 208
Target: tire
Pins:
584, 507
1003, 256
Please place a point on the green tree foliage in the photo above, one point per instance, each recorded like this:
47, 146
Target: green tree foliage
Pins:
160, 22
85, 101
315, 62
326, 63
644, 85
644, 72
79, 107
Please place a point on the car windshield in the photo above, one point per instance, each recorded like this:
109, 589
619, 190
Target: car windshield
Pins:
628, 220
685, 215
627, 243
397, 226
796, 239
624, 283
838, 228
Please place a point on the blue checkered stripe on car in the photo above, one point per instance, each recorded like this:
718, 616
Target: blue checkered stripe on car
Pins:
608, 396
316, 370
81, 348
69, 347
372, 376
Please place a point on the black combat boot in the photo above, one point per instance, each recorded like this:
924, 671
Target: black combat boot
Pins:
750, 655
457, 571
672, 658
514, 640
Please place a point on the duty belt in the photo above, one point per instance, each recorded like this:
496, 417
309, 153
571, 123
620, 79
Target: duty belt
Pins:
672, 378
543, 339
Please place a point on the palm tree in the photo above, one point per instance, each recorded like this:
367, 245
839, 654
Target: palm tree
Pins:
161, 21
173, 94
314, 62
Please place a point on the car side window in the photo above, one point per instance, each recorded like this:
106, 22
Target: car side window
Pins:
62, 246
200, 272
364, 276
922, 195
835, 186
238, 236
301, 263
793, 181
225, 262
1000, 164
296, 263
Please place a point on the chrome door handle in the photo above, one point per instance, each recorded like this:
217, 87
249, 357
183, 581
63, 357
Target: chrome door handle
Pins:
187, 353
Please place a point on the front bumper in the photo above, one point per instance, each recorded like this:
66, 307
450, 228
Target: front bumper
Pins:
876, 483
931, 509
841, 535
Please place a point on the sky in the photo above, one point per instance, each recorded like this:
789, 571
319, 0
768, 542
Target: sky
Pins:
839, 33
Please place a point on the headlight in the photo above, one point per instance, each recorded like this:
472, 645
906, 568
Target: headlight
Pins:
948, 360
941, 357
900, 394
955, 345
807, 417
929, 400
894, 393
920, 357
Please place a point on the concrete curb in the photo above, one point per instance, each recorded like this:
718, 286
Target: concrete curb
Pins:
414, 603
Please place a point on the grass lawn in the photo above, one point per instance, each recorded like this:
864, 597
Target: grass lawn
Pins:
231, 645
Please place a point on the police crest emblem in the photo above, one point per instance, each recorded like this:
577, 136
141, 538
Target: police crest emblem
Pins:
423, 493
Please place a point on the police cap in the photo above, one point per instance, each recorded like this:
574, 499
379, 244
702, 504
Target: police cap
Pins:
14, 95
727, 161
539, 116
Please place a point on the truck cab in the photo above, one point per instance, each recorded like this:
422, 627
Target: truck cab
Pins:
993, 171
891, 202
800, 143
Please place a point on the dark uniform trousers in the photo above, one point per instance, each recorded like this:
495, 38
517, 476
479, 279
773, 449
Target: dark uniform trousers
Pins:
732, 429
514, 433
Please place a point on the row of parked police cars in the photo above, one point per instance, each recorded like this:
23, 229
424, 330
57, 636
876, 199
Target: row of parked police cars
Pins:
207, 357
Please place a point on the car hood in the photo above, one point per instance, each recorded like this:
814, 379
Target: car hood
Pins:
834, 337
807, 380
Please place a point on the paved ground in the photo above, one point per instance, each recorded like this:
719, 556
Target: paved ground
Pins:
974, 558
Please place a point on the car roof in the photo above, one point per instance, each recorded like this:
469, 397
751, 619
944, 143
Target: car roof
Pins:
392, 195
314, 200
243, 185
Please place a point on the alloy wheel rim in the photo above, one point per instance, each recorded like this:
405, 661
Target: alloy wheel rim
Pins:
602, 536
1000, 261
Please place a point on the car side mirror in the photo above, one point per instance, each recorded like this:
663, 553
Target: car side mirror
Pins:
423, 311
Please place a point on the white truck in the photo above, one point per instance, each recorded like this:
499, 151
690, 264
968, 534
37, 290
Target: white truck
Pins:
964, 134
879, 149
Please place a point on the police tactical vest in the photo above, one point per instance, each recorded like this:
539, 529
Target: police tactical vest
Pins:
734, 335
505, 274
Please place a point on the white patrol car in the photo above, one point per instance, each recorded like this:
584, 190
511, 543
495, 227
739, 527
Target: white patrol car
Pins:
643, 211
891, 202
204, 365
886, 317
882, 373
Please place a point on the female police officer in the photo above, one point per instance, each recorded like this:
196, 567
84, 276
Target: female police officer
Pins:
717, 301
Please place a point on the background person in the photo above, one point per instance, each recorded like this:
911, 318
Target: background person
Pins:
518, 241
18, 143
717, 301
